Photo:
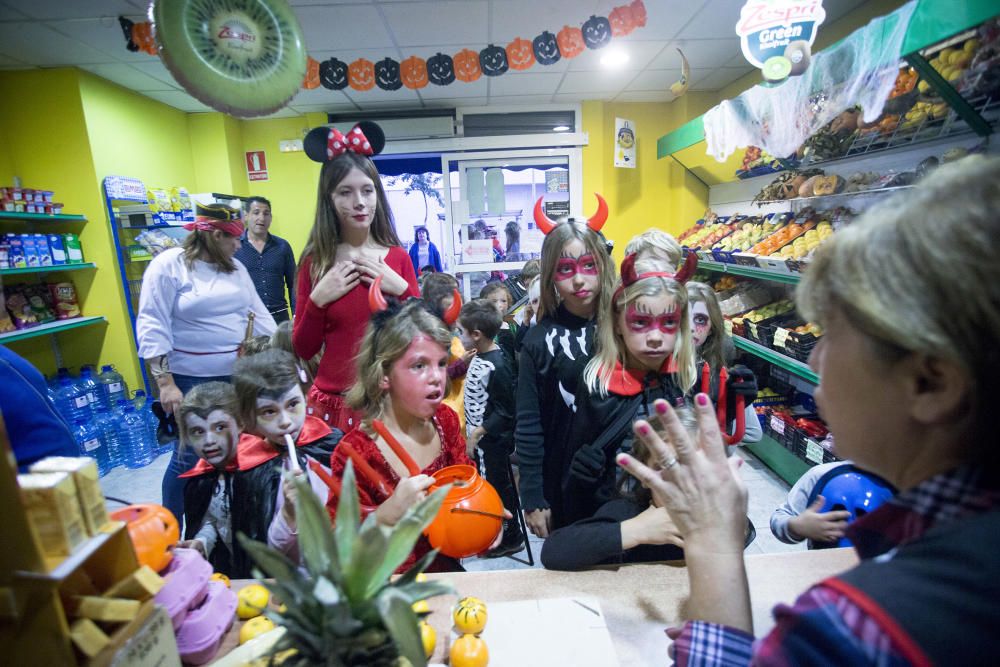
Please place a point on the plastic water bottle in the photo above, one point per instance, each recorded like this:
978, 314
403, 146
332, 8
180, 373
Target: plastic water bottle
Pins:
134, 437
88, 384
107, 423
112, 385
89, 439
71, 401
144, 406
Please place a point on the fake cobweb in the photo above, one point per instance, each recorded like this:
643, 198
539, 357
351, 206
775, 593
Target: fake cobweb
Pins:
860, 69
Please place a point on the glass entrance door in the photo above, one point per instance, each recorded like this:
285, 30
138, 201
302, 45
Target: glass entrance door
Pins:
490, 230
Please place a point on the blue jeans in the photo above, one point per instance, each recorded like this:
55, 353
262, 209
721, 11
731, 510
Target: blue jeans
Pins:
181, 462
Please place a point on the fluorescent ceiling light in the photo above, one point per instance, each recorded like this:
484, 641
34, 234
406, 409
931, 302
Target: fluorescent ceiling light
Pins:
614, 58
561, 128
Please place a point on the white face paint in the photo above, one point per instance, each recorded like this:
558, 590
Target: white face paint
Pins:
701, 323
281, 416
214, 438
535, 294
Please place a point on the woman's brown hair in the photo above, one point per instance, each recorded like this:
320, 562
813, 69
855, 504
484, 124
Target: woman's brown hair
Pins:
204, 245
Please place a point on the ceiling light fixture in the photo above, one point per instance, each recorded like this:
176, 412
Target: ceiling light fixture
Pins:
614, 58
561, 128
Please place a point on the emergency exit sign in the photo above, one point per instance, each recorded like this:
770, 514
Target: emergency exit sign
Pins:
256, 166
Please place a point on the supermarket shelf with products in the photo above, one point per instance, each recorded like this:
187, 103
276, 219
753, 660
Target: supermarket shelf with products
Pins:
749, 272
41, 217
48, 269
775, 456
50, 328
793, 366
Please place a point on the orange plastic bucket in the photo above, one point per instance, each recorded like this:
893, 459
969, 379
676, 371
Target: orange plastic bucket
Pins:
153, 530
471, 516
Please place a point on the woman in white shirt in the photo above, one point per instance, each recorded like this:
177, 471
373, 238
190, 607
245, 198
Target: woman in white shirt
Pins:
193, 312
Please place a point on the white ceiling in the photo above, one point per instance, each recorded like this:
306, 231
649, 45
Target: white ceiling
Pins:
86, 34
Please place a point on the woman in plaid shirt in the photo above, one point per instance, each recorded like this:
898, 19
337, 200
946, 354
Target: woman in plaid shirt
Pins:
909, 300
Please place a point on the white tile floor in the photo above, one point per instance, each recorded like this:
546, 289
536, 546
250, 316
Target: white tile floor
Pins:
767, 491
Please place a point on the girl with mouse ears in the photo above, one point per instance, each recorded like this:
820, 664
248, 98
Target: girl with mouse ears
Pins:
576, 281
353, 241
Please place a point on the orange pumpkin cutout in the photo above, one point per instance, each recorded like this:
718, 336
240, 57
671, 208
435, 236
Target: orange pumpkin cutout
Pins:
361, 74
638, 13
621, 20
312, 74
153, 530
570, 41
467, 66
520, 56
413, 72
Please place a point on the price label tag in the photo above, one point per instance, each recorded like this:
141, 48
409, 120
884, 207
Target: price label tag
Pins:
778, 426
814, 452
780, 336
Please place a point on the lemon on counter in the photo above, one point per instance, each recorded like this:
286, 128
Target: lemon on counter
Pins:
428, 636
253, 627
253, 600
421, 607
218, 576
470, 618
469, 651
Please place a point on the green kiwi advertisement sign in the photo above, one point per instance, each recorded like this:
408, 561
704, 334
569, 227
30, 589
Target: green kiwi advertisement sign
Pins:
777, 35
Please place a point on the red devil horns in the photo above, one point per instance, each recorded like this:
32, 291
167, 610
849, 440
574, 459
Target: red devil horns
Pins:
595, 222
451, 315
688, 268
376, 302
630, 277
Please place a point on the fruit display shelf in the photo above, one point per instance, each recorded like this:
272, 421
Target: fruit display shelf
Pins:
48, 269
767, 354
750, 272
50, 328
858, 193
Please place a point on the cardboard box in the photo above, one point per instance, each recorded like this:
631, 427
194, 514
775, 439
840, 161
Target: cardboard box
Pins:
53, 509
88, 487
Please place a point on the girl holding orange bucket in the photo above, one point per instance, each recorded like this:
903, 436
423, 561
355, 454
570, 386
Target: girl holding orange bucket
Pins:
408, 438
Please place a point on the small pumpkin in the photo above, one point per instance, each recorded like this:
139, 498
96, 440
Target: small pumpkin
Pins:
493, 60
570, 41
311, 80
546, 48
828, 185
333, 74
596, 32
440, 69
414, 72
621, 21
638, 13
361, 74
467, 66
387, 74
520, 55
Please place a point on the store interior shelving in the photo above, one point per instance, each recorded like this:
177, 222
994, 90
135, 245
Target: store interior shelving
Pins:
41, 217
58, 268
50, 328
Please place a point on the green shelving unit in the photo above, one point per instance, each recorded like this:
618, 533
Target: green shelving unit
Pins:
750, 272
50, 328
793, 366
47, 269
41, 217
786, 465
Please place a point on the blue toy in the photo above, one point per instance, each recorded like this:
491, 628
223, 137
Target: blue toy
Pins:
848, 488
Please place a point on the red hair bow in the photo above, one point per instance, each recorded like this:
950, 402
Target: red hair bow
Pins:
354, 141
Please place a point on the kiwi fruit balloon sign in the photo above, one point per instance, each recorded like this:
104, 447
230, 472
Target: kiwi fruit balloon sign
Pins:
777, 35
242, 57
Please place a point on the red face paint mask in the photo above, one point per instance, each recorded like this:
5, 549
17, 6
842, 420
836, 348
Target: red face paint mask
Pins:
640, 322
568, 267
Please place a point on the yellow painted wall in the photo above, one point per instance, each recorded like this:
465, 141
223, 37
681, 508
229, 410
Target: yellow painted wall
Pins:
49, 147
657, 193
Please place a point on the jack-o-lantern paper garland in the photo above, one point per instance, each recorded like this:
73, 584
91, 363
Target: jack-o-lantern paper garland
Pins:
333, 74
520, 55
546, 48
414, 72
387, 74
570, 41
596, 32
361, 74
467, 66
440, 69
493, 60
621, 21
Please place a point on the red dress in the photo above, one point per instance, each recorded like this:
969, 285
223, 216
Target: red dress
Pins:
339, 326
452, 453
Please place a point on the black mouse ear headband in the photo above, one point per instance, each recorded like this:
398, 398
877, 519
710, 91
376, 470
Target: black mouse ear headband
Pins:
323, 144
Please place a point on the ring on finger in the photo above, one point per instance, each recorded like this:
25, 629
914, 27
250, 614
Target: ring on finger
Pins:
668, 464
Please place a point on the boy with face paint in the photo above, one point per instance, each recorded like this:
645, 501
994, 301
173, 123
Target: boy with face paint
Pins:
273, 407
208, 424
